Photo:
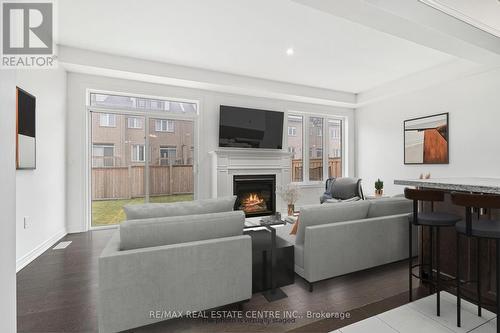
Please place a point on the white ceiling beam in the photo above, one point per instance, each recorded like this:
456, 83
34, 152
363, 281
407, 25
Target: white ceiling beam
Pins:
417, 22
454, 70
97, 63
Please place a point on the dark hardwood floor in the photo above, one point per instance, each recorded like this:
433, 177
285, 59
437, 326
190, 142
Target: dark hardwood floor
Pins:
58, 293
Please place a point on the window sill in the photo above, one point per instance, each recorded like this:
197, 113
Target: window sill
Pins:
309, 184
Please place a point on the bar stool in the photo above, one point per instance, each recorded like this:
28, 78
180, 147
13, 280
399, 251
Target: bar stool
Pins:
432, 220
481, 228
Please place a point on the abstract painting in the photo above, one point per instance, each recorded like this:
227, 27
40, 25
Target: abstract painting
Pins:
426, 140
26, 130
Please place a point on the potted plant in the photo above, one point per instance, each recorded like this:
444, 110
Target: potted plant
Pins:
379, 188
289, 194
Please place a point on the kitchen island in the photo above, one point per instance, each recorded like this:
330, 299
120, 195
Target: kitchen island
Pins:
469, 247
471, 184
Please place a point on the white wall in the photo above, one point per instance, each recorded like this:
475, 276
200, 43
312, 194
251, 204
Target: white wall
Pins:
208, 120
41, 193
474, 107
8, 201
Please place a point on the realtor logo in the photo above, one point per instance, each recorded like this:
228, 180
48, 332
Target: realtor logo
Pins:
27, 38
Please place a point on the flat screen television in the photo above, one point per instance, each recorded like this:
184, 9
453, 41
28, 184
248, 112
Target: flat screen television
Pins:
26, 130
250, 128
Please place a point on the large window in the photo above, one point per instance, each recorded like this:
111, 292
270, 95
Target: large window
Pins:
295, 142
334, 148
141, 151
322, 138
316, 148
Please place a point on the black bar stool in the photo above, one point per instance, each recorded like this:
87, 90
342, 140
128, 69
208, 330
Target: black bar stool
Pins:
432, 220
481, 228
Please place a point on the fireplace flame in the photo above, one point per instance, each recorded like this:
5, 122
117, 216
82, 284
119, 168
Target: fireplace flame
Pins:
252, 203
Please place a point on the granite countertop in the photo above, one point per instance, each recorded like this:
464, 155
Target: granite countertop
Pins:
465, 184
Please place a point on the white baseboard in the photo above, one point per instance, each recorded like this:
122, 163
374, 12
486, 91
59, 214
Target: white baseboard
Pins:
37, 251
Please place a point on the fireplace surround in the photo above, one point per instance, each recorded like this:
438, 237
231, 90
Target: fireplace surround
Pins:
255, 194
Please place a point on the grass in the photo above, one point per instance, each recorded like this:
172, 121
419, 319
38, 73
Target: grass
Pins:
108, 212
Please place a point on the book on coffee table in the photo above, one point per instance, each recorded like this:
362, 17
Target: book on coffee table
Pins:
291, 219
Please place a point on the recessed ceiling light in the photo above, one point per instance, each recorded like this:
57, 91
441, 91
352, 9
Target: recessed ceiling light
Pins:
289, 51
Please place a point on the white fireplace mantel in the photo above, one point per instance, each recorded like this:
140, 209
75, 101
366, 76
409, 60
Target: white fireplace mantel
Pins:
227, 163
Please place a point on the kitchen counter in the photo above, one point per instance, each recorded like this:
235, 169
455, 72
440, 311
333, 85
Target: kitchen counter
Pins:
471, 249
466, 184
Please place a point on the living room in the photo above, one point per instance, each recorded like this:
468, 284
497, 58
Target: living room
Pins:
280, 135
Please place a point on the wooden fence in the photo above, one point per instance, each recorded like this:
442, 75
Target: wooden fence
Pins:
316, 169
128, 182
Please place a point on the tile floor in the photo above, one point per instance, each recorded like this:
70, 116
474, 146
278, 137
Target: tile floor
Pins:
420, 316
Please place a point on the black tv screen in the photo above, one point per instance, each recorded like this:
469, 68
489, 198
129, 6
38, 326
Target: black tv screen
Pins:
26, 130
250, 128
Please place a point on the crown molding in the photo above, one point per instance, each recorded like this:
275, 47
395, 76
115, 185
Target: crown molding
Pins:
462, 16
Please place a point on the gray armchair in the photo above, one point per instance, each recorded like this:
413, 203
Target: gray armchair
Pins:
342, 189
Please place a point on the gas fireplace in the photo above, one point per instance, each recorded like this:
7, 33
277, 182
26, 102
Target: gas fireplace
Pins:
255, 194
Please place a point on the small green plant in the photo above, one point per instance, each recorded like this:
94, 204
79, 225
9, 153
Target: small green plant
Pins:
379, 185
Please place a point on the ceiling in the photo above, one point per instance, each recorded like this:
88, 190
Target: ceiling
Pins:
246, 37
483, 14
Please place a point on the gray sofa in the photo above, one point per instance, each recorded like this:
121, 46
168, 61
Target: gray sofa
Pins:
334, 240
173, 263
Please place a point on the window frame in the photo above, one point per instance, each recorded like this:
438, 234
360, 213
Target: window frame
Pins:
103, 146
133, 155
167, 122
141, 122
169, 148
302, 119
108, 122
315, 132
164, 102
306, 154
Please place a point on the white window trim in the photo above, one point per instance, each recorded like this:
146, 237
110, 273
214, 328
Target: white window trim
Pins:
135, 157
168, 148
305, 145
108, 117
103, 146
167, 122
136, 120
174, 148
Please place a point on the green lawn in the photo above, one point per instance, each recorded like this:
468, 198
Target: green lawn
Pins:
107, 212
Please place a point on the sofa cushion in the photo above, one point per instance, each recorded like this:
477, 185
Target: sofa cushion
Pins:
151, 210
136, 234
299, 255
323, 214
284, 232
389, 206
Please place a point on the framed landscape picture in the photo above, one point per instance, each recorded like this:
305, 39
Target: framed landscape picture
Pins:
26, 130
426, 140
